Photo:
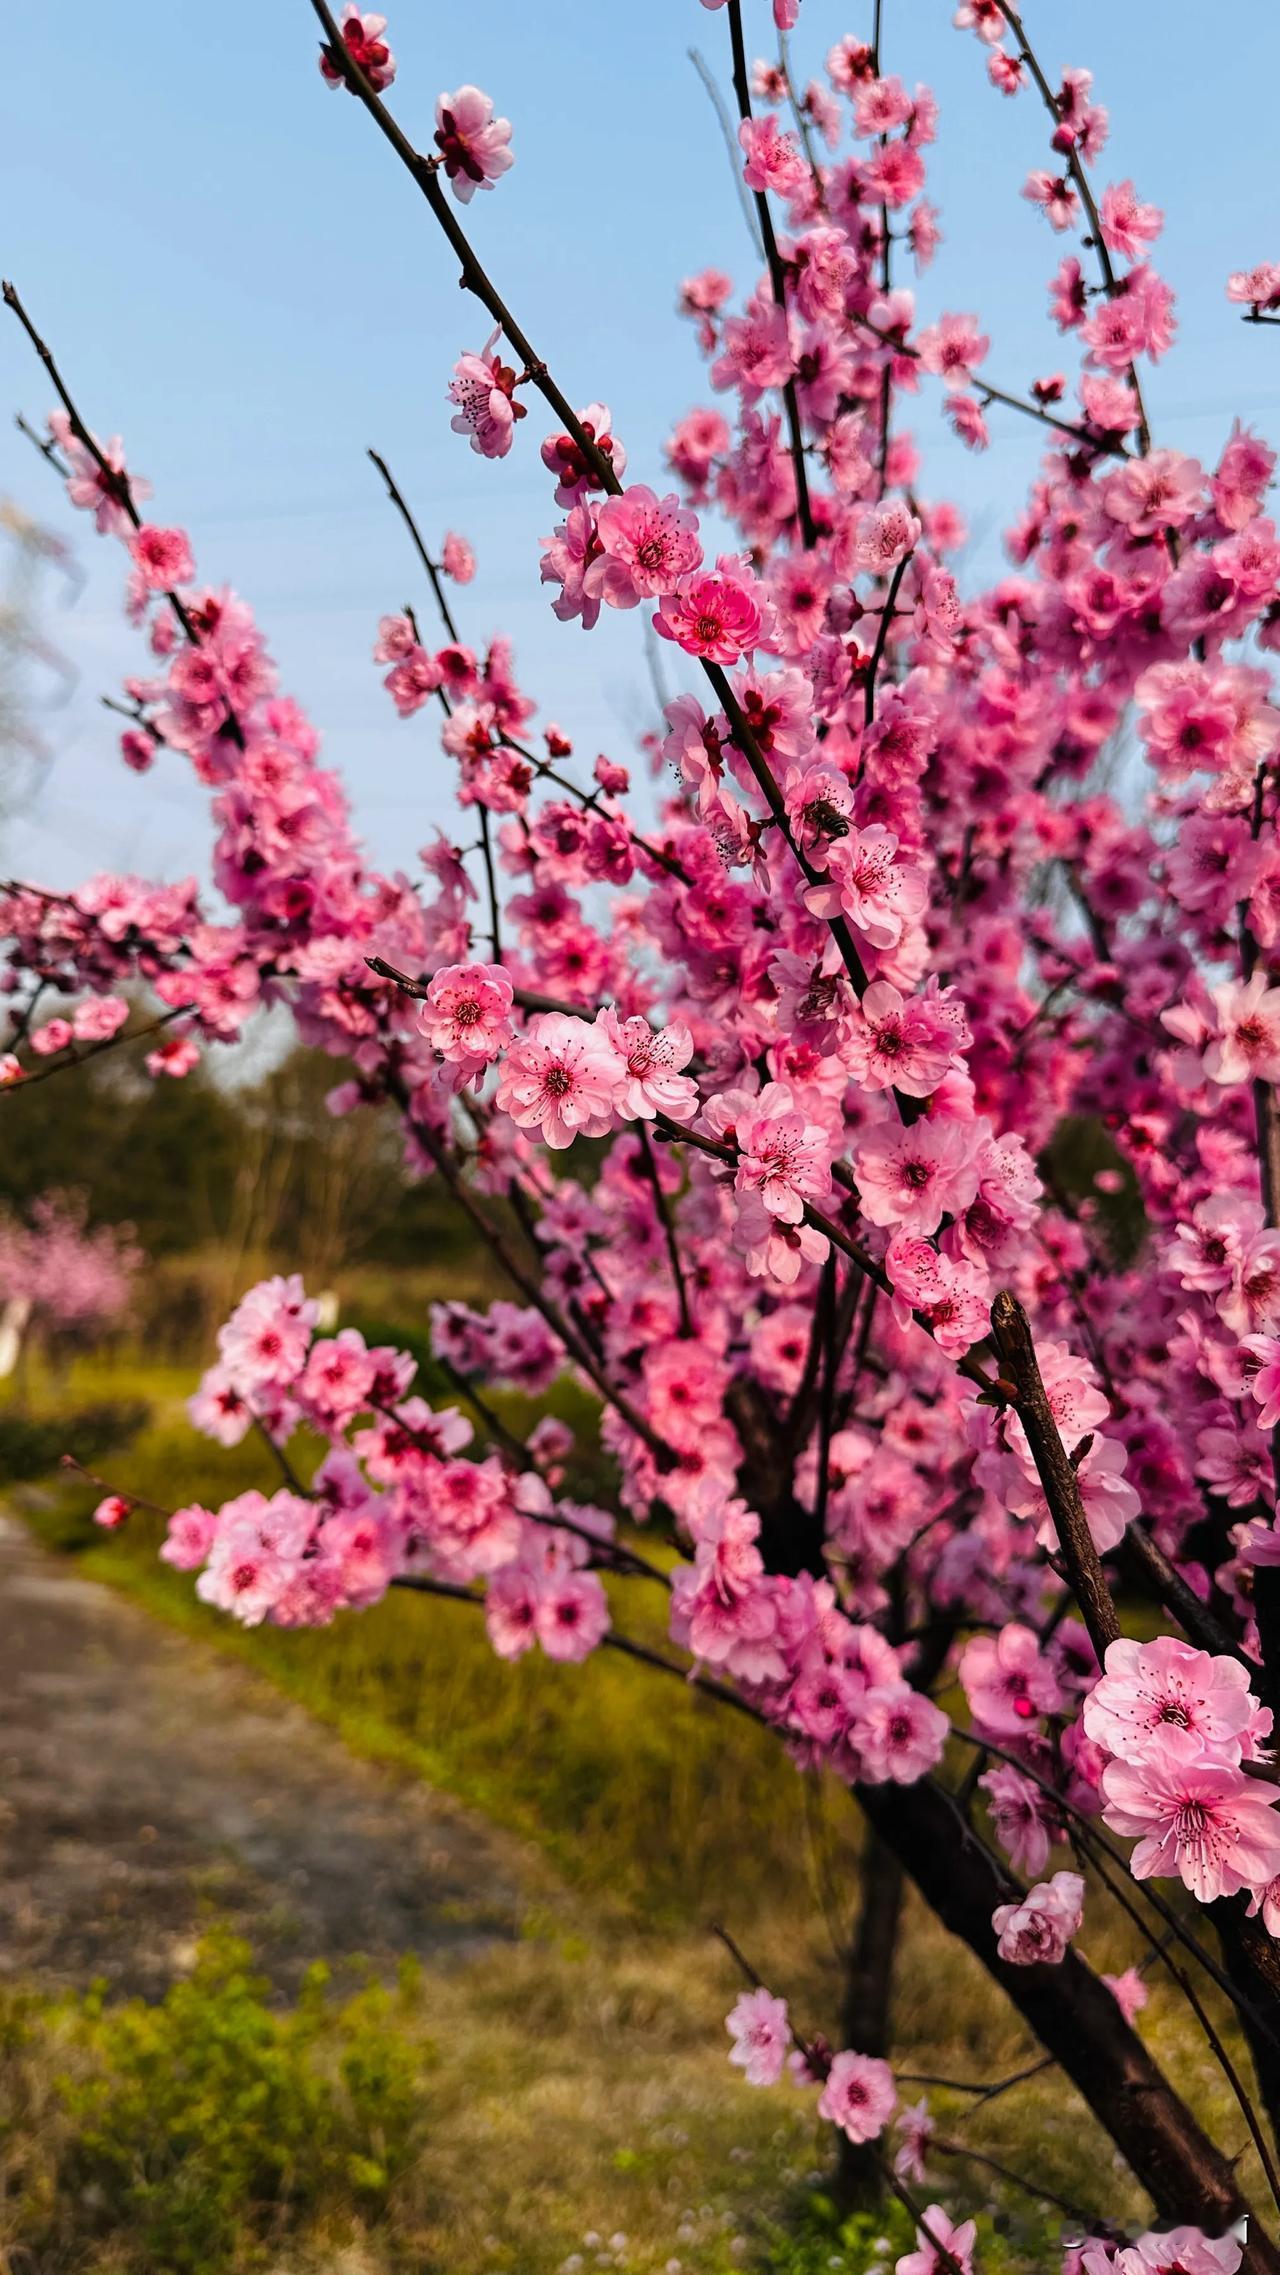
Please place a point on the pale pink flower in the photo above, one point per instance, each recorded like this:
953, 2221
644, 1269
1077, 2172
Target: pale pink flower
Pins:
1153, 1692
915, 2129
265, 1341
867, 882
773, 163
92, 489
953, 348
898, 1043
1257, 287
511, 1609
162, 556
1203, 1822
483, 389
473, 144
944, 1294
1008, 1681
560, 1078
112, 1512
652, 1058
859, 2096
1262, 1373
572, 1614
189, 1538
53, 1036
457, 559
175, 1057
761, 2032
1248, 1048
1161, 491
782, 1156
1037, 1930
99, 1019
1181, 2251
900, 1735
1129, 1991
1025, 1824
885, 536
1128, 226
937, 2233
1055, 197
363, 40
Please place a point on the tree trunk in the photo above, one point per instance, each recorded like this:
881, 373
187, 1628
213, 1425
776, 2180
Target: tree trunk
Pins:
868, 2002
1075, 2018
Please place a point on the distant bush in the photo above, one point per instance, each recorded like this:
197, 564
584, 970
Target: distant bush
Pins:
197, 2134
30, 1445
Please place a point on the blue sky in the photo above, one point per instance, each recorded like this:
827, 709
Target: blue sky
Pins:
235, 275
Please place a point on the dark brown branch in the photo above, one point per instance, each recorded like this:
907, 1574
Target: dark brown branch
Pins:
1012, 1331
778, 280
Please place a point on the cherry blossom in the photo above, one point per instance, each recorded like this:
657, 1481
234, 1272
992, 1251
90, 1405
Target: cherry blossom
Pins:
473, 144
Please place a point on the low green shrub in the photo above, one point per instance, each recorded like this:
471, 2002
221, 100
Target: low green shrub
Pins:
31, 1445
198, 2134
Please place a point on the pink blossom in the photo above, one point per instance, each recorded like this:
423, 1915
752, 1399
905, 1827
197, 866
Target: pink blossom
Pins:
1055, 197
467, 1016
1167, 1693
717, 614
761, 2032
943, 1294
1128, 226
176, 1056
914, 1177
1247, 1048
938, 2234
886, 535
915, 2129
572, 1615
648, 544
652, 1082
773, 162
560, 1078
189, 1538
1201, 1821
1024, 1820
1037, 1930
867, 882
99, 1019
457, 559
859, 2096
1008, 1681
782, 1156
953, 348
266, 1338
163, 557
1129, 1992
112, 1512
473, 144
484, 390
1262, 1373
900, 1735
362, 38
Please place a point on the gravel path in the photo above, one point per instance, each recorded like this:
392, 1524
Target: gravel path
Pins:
148, 1786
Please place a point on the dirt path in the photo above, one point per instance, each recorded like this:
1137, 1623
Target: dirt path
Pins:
147, 1786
